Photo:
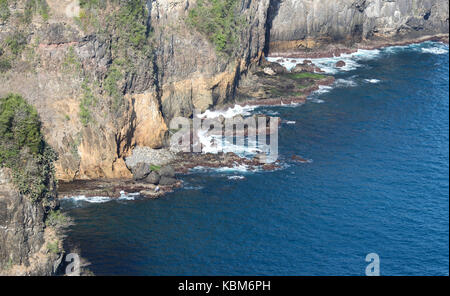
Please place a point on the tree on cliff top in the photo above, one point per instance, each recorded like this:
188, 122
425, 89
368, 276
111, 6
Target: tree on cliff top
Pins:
23, 149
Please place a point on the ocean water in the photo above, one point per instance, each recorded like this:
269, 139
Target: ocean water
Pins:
377, 182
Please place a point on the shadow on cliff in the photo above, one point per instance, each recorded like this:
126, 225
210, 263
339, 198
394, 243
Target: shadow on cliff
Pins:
272, 12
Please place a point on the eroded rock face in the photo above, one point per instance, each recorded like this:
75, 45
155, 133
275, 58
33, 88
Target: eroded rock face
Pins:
311, 24
182, 73
23, 234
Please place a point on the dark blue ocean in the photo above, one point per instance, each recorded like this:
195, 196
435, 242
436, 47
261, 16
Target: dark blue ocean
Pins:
377, 183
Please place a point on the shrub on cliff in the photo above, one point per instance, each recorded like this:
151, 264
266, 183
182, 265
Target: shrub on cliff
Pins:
219, 21
4, 10
23, 149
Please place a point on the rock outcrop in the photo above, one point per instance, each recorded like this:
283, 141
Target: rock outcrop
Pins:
27, 245
302, 25
99, 94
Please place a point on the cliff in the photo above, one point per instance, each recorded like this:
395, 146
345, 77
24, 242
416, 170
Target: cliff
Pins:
113, 77
30, 223
308, 25
107, 76
27, 245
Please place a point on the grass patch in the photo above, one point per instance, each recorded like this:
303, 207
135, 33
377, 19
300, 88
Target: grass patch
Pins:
306, 75
155, 168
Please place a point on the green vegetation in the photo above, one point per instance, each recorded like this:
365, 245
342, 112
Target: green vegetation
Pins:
111, 85
155, 168
88, 17
53, 247
10, 49
23, 149
219, 21
126, 28
4, 10
16, 42
71, 62
56, 219
5, 63
131, 23
87, 102
306, 75
35, 6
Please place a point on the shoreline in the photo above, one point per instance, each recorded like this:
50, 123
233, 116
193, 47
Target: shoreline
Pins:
185, 162
339, 50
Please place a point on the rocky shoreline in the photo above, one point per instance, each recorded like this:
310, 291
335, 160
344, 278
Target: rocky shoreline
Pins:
332, 50
157, 172
153, 183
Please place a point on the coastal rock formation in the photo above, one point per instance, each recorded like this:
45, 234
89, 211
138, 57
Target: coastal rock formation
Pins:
305, 25
110, 79
104, 85
27, 245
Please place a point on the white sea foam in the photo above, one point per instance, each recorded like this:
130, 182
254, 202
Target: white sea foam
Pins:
236, 177
237, 168
328, 65
193, 187
229, 113
372, 80
345, 83
435, 50
353, 60
101, 199
240, 168
323, 89
317, 101
290, 122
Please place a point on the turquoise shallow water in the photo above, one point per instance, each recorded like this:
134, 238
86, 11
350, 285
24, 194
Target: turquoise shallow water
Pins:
378, 183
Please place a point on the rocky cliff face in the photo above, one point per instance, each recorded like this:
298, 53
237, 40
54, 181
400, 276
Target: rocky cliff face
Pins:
27, 246
311, 24
99, 95
110, 76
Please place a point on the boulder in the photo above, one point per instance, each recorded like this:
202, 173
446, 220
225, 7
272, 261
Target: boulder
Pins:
153, 178
167, 181
299, 159
340, 64
141, 171
279, 69
269, 71
299, 68
167, 171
